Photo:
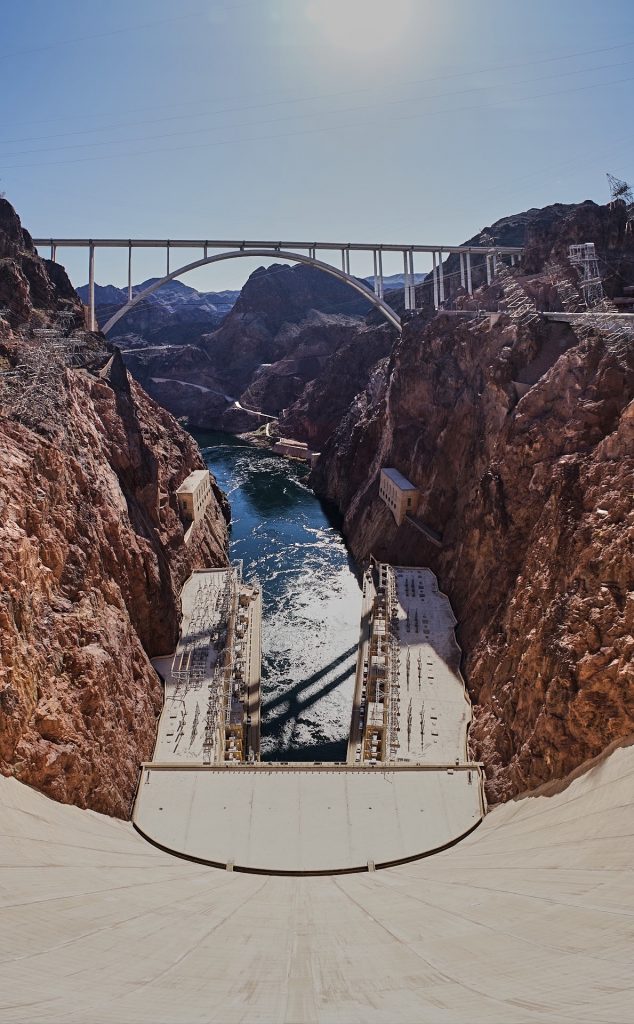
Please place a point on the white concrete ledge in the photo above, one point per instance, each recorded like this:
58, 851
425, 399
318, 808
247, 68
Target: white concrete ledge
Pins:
325, 820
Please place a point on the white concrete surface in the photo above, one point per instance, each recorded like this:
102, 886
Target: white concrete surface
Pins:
303, 819
189, 697
217, 636
428, 711
530, 919
434, 708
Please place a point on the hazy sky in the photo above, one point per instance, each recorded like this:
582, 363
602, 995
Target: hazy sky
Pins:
342, 120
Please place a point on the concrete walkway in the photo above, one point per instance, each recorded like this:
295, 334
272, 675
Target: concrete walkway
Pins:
213, 679
409, 690
435, 710
189, 677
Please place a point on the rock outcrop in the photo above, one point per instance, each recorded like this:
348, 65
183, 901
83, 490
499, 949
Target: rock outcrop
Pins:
92, 555
324, 399
521, 440
279, 335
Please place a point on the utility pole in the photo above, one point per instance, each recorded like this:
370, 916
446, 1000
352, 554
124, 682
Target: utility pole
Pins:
584, 258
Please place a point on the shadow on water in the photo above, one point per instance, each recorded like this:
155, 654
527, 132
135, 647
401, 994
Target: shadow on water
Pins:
293, 693
293, 714
311, 597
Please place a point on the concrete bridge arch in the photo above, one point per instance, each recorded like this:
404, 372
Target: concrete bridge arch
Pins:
295, 257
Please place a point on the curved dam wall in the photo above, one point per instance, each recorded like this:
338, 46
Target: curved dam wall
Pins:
529, 919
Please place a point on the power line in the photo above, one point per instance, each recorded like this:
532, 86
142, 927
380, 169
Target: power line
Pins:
315, 131
126, 30
548, 169
413, 81
287, 117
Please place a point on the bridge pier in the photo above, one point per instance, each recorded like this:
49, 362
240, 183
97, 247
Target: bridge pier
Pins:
53, 252
435, 279
378, 274
91, 287
409, 281
462, 271
487, 260
469, 281
406, 279
441, 281
129, 270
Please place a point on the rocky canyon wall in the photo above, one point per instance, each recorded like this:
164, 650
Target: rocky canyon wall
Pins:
521, 440
92, 553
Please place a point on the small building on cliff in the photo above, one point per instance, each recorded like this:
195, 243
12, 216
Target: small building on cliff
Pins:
295, 450
400, 496
194, 495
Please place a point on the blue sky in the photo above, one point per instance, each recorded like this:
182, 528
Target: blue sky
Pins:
351, 120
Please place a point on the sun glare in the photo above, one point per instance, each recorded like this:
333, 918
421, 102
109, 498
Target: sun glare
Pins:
364, 26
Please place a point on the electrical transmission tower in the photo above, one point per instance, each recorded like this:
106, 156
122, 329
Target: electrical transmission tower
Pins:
621, 190
584, 258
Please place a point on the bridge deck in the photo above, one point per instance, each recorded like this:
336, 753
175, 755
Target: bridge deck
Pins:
572, 318
202, 243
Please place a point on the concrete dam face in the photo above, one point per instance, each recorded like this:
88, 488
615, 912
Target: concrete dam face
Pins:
408, 788
530, 918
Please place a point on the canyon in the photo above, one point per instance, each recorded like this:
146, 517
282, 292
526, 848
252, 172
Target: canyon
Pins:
519, 438
316, 513
280, 335
177, 312
518, 435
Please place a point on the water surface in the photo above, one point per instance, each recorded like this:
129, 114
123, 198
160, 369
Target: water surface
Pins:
311, 598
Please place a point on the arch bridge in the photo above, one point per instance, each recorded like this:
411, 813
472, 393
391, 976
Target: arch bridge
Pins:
334, 259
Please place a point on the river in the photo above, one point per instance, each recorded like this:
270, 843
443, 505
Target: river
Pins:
311, 598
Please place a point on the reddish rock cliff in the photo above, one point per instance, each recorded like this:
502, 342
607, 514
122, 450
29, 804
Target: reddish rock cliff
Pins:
521, 441
92, 555
325, 399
